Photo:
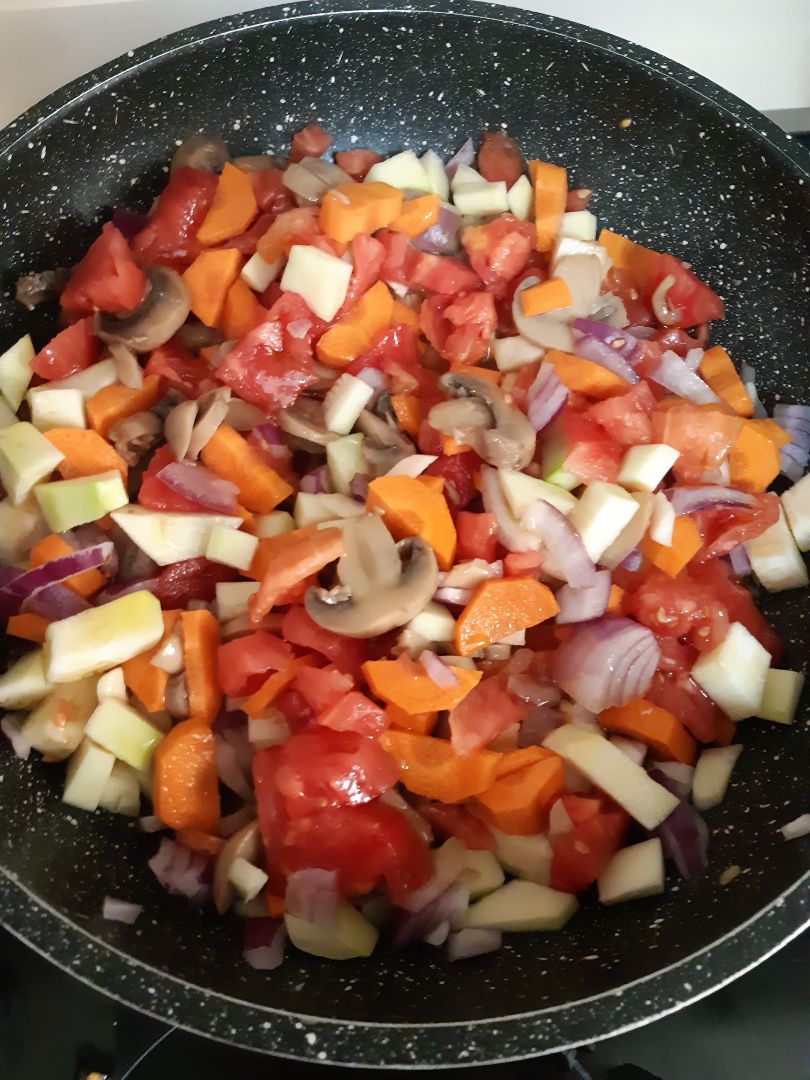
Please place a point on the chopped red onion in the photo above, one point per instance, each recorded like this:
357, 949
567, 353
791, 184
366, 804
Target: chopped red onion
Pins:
606, 662
448, 907
535, 691
684, 836
449, 862
510, 533
413, 465
18, 592
120, 910
180, 870
299, 328
263, 943
693, 360
673, 374
55, 602
129, 223
10, 726
441, 237
579, 716
559, 821
453, 597
149, 823
632, 561
465, 155
538, 725
748, 376
740, 563
567, 556
591, 348
374, 378
642, 333
580, 605
622, 342
316, 482
358, 487
547, 395
200, 485
800, 826
270, 434
124, 588
795, 420
439, 935
471, 942
679, 774
662, 520
437, 671
687, 499
312, 895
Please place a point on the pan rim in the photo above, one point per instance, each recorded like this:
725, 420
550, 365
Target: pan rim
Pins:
30, 918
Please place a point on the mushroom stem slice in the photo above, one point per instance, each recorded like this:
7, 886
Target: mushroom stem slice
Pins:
509, 441
370, 559
158, 317
305, 421
383, 608
202, 151
245, 844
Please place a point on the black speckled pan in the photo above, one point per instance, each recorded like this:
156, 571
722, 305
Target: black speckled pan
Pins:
697, 173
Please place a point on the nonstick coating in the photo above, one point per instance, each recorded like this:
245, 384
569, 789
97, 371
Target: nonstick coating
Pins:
696, 173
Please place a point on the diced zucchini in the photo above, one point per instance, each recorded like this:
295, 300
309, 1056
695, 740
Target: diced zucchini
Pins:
633, 872
122, 792
464, 175
346, 937
232, 598
775, 558
521, 490
56, 725
68, 503
514, 352
522, 906
24, 684
112, 685
344, 401
124, 732
168, 537
346, 459
601, 514
481, 199
520, 198
404, 171
258, 274
88, 773
632, 534
434, 623
436, 175
712, 774
644, 467
20, 528
311, 509
526, 857
89, 381
231, 547
780, 698
579, 225
7, 417
482, 873
247, 879
57, 409
796, 502
16, 371
569, 245
273, 524
734, 672
320, 279
26, 457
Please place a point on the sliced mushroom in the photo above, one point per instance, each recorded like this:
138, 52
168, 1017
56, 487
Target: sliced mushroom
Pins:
304, 420
134, 436
212, 408
34, 289
207, 152
507, 441
384, 607
127, 368
178, 427
385, 444
245, 844
251, 163
158, 317
196, 335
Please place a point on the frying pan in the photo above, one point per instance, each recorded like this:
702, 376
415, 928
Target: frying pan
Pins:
697, 173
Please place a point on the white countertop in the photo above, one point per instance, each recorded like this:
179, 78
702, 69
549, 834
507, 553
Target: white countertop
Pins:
758, 51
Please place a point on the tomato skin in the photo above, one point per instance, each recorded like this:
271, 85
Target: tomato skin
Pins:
681, 695
703, 438
244, 663
106, 279
724, 529
347, 654
453, 820
271, 812
620, 283
268, 367
356, 162
581, 854
355, 712
322, 688
715, 575
247, 242
477, 536
499, 158
499, 251
367, 845
483, 714
690, 301
270, 194
628, 417
437, 273
679, 607
368, 258
320, 767
180, 370
675, 340
296, 711
169, 236
311, 141
73, 349
591, 454
458, 473
460, 328
192, 579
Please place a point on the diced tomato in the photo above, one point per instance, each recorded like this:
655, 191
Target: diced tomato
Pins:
321, 688
155, 495
519, 385
703, 438
178, 369
499, 250
477, 536
716, 576
192, 579
355, 712
679, 607
452, 820
627, 417
311, 141
639, 312
675, 340
724, 529
483, 714
522, 564
107, 278
169, 236
681, 695
437, 273
271, 812
319, 767
268, 367
460, 328
247, 241
396, 352
367, 845
581, 854
588, 450
73, 349
458, 472
244, 663
347, 654
294, 708
270, 194
687, 299
356, 162
368, 257
499, 158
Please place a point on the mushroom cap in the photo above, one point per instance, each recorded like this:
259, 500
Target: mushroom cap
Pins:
508, 442
201, 151
158, 317
245, 844
383, 608
304, 420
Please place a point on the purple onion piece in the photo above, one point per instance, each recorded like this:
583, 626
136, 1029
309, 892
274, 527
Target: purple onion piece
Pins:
23, 588
591, 348
567, 556
465, 155
200, 485
312, 895
128, 223
673, 374
442, 237
358, 487
580, 605
606, 662
263, 943
684, 836
622, 342
470, 942
740, 563
316, 482
687, 499
415, 926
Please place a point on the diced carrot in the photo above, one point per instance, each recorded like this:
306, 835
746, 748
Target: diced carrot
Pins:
717, 368
185, 781
407, 685
431, 767
350, 209
248, 520
637, 261
432, 483
488, 374
417, 215
513, 760
273, 904
550, 184
546, 296
272, 686
615, 597
28, 627
412, 508
201, 636
584, 376
232, 209
402, 315
419, 724
686, 543
230, 456
303, 555
241, 312
519, 802
208, 281
352, 335
291, 227
54, 547
450, 447
408, 411
774, 431
201, 842
86, 453
142, 678
500, 608
113, 403
753, 460
657, 727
